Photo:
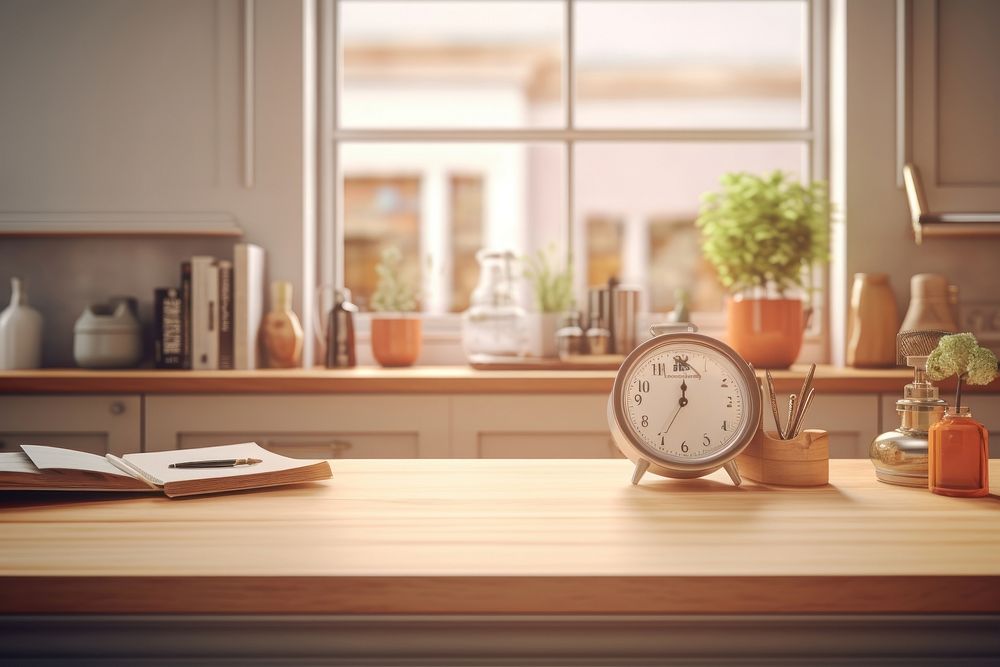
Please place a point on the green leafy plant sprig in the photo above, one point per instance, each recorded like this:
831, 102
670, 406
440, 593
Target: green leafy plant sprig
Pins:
552, 286
961, 355
393, 293
765, 230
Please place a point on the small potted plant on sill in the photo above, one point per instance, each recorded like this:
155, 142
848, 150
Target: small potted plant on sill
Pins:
553, 290
763, 234
396, 327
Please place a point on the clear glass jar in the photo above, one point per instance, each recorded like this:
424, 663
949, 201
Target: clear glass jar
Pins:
958, 453
494, 325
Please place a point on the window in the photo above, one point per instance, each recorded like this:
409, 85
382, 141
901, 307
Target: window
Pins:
593, 125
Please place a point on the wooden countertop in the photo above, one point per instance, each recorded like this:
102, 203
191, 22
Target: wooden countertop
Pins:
506, 536
421, 379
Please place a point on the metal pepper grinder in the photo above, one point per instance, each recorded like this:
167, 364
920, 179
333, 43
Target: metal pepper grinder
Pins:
900, 456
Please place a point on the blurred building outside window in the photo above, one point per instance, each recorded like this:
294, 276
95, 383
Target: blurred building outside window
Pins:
593, 125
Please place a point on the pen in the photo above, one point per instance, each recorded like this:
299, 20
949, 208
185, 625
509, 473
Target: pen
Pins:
217, 463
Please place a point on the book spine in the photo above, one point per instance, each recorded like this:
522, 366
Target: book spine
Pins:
186, 315
226, 332
168, 312
212, 294
204, 313
248, 303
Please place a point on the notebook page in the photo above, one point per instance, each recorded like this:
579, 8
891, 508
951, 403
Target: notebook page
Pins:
17, 462
155, 464
46, 458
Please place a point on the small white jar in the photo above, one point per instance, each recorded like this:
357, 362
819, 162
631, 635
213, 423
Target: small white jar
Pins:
103, 338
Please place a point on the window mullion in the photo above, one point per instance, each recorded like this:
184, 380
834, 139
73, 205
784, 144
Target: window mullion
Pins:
569, 88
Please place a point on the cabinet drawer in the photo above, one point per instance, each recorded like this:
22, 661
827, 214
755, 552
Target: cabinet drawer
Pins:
316, 445
95, 424
534, 445
541, 426
985, 408
309, 426
851, 421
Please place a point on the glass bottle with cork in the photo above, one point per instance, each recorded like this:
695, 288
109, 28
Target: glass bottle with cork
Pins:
958, 445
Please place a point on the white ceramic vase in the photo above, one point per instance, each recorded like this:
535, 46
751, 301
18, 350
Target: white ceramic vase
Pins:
20, 331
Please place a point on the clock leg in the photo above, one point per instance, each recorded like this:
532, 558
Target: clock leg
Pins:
640, 469
734, 472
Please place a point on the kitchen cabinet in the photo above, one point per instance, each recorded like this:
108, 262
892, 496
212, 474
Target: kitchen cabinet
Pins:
98, 424
984, 409
303, 426
949, 107
152, 119
851, 420
534, 426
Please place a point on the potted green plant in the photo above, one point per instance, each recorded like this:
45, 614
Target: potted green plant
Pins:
763, 234
552, 287
396, 327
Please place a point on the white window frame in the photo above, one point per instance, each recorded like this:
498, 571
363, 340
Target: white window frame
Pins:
445, 328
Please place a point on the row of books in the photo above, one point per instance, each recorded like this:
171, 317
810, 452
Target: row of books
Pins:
210, 321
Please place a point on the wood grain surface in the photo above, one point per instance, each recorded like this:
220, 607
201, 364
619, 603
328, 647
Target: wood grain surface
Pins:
421, 379
514, 536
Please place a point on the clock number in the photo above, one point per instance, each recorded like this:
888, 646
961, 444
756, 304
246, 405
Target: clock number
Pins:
663, 441
684, 447
638, 399
724, 427
645, 420
729, 401
644, 386
708, 440
659, 369
725, 382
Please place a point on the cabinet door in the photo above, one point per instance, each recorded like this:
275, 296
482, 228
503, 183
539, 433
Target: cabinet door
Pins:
952, 105
542, 426
95, 424
851, 420
306, 426
984, 409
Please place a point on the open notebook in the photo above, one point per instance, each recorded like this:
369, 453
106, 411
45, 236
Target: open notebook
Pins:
55, 469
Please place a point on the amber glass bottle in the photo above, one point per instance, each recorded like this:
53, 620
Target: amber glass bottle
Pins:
281, 329
958, 453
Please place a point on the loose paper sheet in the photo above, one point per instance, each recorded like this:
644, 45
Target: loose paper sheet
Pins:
46, 458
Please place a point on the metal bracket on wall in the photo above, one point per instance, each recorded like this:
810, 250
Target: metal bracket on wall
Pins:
943, 224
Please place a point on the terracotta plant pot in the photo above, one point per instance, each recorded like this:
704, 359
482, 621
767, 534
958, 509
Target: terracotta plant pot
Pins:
396, 339
766, 332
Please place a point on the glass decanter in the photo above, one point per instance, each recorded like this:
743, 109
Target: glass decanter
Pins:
494, 325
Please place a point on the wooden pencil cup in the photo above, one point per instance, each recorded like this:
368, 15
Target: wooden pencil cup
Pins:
802, 461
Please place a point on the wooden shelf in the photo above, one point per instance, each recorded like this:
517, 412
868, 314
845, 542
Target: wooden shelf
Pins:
119, 224
417, 380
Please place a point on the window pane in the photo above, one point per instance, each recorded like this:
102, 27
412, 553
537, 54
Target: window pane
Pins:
439, 203
635, 206
690, 64
434, 64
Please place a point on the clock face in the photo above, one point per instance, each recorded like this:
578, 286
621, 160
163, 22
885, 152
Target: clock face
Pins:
687, 402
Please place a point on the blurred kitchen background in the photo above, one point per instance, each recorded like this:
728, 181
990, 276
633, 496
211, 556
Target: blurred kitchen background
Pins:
133, 134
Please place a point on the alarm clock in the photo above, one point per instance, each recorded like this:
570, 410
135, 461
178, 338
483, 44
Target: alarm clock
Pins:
684, 405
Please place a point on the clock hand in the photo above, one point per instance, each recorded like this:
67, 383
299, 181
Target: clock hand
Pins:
681, 402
